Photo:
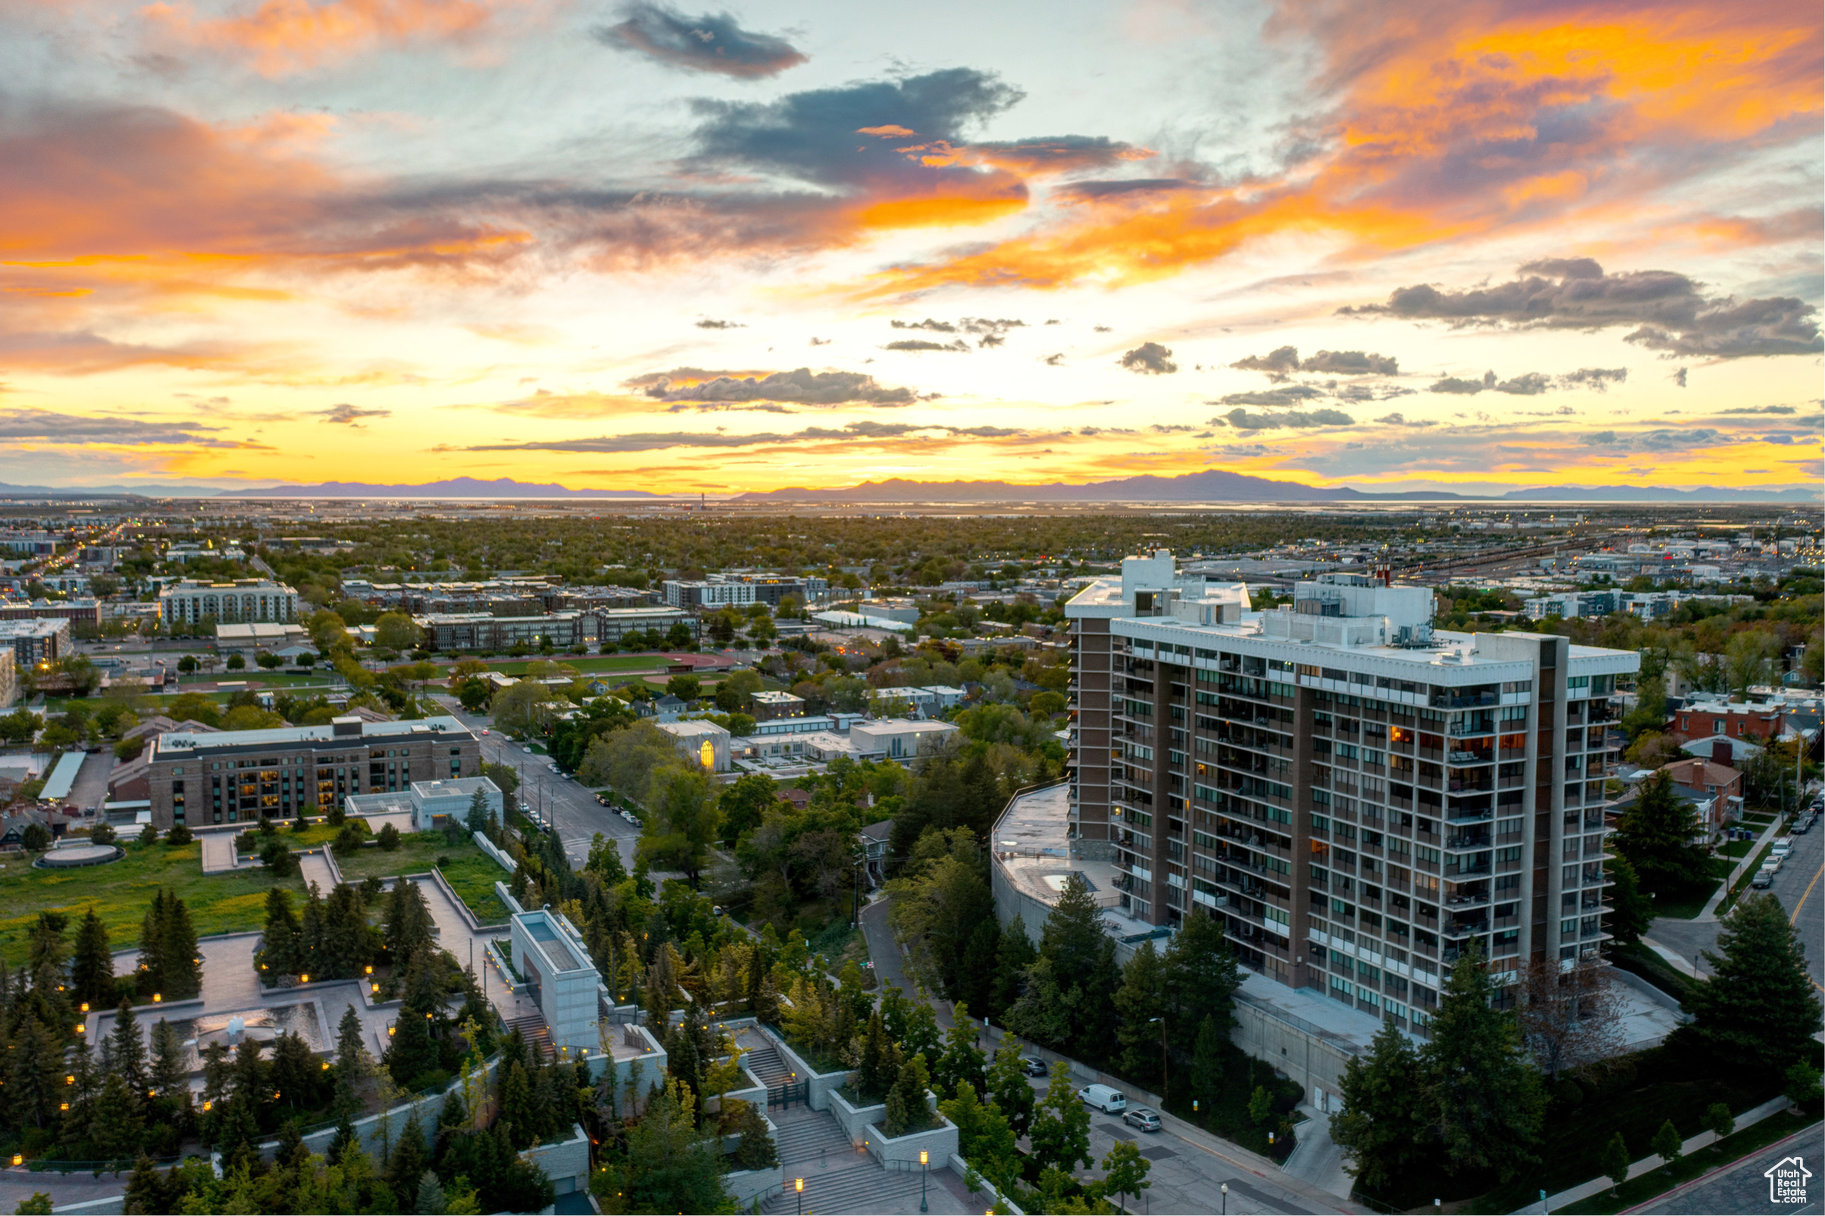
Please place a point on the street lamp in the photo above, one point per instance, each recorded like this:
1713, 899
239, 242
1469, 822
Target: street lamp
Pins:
1225, 1189
798, 1189
925, 1165
1165, 1078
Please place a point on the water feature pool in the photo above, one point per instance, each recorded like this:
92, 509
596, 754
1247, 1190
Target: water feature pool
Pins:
197, 1031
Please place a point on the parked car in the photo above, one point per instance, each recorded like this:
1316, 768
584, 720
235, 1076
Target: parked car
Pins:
1141, 1117
1782, 847
1033, 1066
1102, 1097
1763, 879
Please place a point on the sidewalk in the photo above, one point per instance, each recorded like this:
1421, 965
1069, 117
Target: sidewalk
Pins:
1709, 911
1595, 1186
1316, 1159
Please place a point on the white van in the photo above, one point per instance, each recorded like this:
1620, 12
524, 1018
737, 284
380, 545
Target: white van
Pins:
1109, 1101
1782, 846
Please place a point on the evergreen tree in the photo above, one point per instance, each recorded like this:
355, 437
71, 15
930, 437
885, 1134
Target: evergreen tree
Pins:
1655, 836
353, 1065
296, 1073
670, 1167
146, 1194
169, 1075
1667, 1143
128, 1051
878, 1066
1008, 1088
407, 1166
411, 1051
962, 1059
1486, 1094
1207, 1060
431, 1200
1014, 953
477, 821
1630, 911
1043, 1012
1384, 1123
907, 1105
1757, 1009
1083, 965
1616, 1161
1141, 1003
1200, 978
116, 1127
280, 944
92, 965
1060, 1131
183, 965
975, 980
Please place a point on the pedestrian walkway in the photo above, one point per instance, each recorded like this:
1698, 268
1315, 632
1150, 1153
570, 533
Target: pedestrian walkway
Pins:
317, 870
1709, 911
218, 848
1316, 1159
840, 1178
1584, 1190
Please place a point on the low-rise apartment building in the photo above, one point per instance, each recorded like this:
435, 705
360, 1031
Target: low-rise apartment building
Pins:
480, 631
232, 776
35, 641
706, 595
1356, 798
191, 601
613, 624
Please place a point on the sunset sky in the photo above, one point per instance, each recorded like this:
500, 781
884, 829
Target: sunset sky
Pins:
1439, 242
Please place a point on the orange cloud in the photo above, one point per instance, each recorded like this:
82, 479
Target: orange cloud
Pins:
280, 37
1454, 119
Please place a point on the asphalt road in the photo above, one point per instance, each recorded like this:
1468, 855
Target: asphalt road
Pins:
550, 797
1743, 1187
1801, 891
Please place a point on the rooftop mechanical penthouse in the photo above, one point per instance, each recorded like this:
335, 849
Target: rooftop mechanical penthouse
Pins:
1357, 797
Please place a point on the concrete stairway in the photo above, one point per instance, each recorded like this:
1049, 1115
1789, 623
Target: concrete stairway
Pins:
532, 1028
767, 1067
838, 1178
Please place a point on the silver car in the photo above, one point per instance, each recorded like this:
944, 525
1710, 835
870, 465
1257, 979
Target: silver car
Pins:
1141, 1117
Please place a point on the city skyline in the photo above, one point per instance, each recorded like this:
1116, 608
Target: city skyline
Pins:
1472, 246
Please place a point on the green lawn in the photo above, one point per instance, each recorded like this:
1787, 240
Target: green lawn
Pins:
472, 875
588, 664
1693, 904
122, 891
417, 853
1738, 848
1637, 1191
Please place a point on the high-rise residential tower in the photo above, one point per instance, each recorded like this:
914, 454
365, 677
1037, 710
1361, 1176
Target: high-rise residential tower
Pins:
1357, 797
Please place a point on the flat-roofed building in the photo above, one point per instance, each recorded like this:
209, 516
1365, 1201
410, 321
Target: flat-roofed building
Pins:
191, 601
36, 641
77, 612
232, 776
480, 631
1356, 798
768, 705
699, 740
247, 638
550, 956
613, 624
706, 595
9, 677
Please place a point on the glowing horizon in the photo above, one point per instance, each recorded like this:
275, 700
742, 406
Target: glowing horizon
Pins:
1466, 244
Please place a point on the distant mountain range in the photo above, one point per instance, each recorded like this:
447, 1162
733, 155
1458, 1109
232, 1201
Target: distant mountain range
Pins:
1210, 485
1220, 485
455, 487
